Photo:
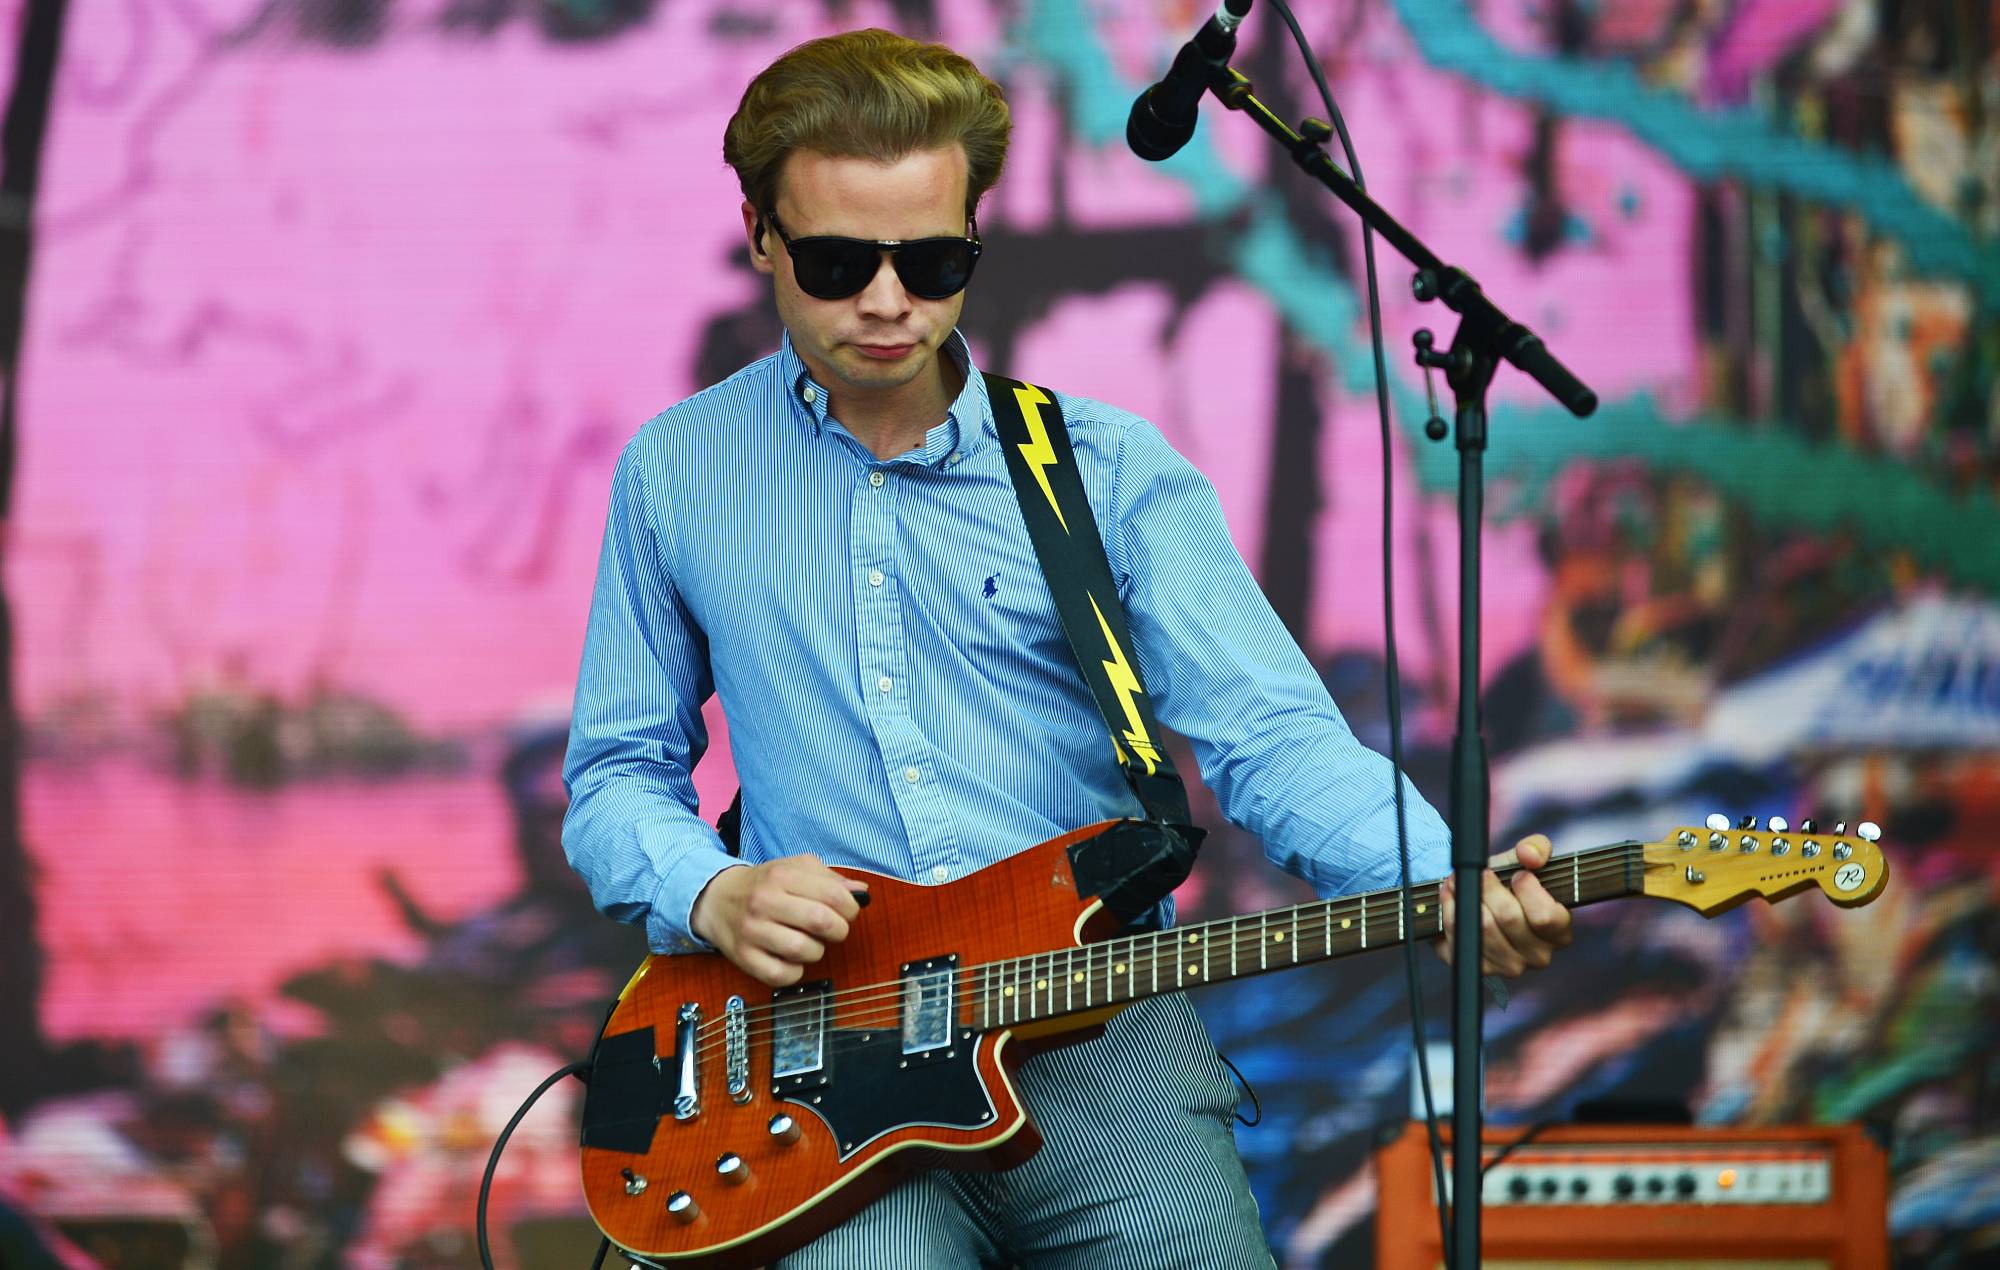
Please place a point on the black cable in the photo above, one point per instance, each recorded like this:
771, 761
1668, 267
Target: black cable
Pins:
1256, 1103
1533, 1131
581, 1072
1391, 668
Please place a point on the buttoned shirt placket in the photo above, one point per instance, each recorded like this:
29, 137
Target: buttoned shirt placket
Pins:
882, 663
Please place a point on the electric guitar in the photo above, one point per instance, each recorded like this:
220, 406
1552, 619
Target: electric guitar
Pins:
728, 1123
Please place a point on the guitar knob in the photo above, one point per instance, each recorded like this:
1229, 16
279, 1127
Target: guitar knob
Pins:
784, 1129
1779, 824
1717, 821
732, 1169
681, 1206
1868, 831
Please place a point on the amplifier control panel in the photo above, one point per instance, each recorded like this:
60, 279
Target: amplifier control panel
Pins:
1659, 1177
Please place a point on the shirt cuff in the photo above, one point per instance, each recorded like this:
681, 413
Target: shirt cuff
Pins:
669, 918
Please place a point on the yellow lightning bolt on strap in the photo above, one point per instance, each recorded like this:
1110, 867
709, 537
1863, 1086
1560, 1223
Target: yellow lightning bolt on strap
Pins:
1041, 456
1119, 670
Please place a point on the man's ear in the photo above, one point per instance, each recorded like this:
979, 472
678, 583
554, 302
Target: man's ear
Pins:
754, 229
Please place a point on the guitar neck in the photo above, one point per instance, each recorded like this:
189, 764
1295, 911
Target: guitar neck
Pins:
1131, 967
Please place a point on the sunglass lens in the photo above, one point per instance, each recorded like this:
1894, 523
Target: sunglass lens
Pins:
833, 269
936, 269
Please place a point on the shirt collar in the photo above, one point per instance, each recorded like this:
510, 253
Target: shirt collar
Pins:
968, 422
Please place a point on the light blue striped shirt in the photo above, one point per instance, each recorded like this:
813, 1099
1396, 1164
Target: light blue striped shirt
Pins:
899, 692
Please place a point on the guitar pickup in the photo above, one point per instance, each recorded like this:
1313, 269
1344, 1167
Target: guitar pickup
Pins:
930, 1009
798, 1036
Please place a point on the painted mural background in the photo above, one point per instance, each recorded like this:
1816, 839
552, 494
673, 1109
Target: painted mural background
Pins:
341, 310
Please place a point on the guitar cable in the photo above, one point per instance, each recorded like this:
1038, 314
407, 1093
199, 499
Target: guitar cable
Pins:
1391, 669
582, 1072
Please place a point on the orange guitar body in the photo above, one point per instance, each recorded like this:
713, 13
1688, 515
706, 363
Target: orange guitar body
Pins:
779, 1193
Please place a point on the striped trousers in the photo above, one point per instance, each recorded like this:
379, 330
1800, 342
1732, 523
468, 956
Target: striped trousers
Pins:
1138, 1170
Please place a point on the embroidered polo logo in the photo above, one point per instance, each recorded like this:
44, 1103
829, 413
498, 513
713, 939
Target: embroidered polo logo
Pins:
992, 587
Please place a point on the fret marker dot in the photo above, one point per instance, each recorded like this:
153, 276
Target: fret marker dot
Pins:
1193, 969
1345, 922
1194, 939
1077, 978
1278, 938
1118, 969
1422, 907
1040, 984
1009, 992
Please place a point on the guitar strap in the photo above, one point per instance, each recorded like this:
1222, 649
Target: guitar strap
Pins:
1134, 866
1137, 863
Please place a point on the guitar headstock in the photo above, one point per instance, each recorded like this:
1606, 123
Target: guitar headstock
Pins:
1714, 867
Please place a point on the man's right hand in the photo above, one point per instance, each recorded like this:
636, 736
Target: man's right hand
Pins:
774, 919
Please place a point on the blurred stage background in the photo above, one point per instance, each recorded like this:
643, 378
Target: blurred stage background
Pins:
341, 310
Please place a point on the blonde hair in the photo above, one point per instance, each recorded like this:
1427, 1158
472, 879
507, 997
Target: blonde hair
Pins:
866, 94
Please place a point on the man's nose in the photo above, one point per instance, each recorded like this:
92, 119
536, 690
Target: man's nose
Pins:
884, 295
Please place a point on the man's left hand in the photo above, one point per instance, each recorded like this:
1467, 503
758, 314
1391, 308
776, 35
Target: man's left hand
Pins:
1522, 925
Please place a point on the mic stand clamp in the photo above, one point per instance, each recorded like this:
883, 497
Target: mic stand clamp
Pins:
1484, 337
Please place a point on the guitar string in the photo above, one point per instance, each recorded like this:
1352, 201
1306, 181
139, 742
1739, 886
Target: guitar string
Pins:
1594, 866
1146, 953
1047, 980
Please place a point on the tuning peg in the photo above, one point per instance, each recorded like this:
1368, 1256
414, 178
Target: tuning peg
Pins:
1868, 831
1748, 822
1839, 827
1779, 824
1808, 826
1717, 821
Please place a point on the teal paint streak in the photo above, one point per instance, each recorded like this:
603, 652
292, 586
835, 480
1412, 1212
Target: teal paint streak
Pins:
1741, 145
1784, 481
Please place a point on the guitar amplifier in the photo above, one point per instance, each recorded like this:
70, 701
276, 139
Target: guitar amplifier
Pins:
1651, 1197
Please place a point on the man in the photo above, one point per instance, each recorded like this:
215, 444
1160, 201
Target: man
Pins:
829, 540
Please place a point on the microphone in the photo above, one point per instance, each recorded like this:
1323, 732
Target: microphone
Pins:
1162, 119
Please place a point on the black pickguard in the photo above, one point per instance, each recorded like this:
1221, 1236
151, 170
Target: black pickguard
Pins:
870, 1087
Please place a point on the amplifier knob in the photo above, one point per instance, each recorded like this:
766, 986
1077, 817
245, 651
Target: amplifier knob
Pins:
1684, 1185
1548, 1188
1579, 1187
1517, 1186
1624, 1185
1655, 1184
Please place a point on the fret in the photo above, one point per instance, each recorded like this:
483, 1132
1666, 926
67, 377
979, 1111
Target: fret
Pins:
1233, 941
1263, 945
1364, 921
1401, 934
1069, 983
1326, 936
1575, 881
1295, 936
1155, 959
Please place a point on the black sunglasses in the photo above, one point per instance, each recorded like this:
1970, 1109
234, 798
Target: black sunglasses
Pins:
834, 268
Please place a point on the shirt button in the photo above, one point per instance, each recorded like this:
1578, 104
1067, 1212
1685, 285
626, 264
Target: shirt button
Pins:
874, 577
940, 874
811, 394
875, 479
912, 775
885, 683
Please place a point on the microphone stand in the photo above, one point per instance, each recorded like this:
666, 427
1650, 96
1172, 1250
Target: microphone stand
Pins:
1485, 337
